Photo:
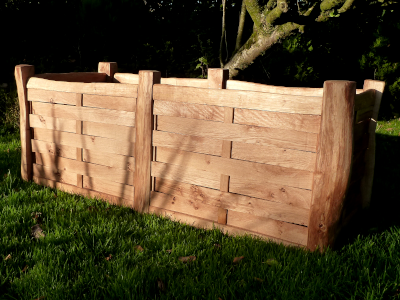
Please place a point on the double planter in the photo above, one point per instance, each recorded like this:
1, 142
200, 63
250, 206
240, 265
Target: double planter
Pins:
288, 164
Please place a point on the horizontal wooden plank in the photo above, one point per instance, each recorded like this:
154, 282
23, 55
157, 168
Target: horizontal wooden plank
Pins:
364, 114
101, 88
306, 123
39, 121
364, 100
240, 133
279, 229
99, 115
184, 205
115, 103
182, 174
274, 156
54, 174
119, 133
190, 162
126, 78
230, 201
83, 192
187, 110
85, 141
51, 96
251, 86
83, 168
239, 99
105, 186
187, 142
206, 224
258, 188
108, 159
74, 76
193, 82
54, 149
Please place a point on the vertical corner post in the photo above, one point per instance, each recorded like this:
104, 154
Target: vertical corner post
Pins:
333, 163
110, 68
217, 80
79, 123
22, 75
143, 145
368, 178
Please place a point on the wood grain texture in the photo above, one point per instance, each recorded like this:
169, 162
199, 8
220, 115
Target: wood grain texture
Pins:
240, 133
54, 149
230, 201
108, 159
105, 186
119, 133
85, 142
51, 96
240, 99
194, 82
39, 121
366, 182
107, 116
143, 147
279, 229
274, 156
85, 77
187, 110
333, 164
108, 68
23, 73
297, 122
235, 168
251, 86
100, 88
83, 168
364, 114
206, 224
187, 142
126, 78
83, 192
109, 102
54, 174
79, 177
364, 100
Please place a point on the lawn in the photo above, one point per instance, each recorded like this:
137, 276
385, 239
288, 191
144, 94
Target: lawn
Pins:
92, 250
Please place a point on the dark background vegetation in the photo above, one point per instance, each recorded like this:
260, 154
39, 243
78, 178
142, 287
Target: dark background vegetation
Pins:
171, 35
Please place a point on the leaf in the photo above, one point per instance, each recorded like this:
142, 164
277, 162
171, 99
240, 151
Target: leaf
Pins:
237, 259
217, 246
54, 195
161, 285
389, 129
8, 257
271, 262
108, 258
258, 279
139, 248
187, 259
25, 268
37, 231
169, 251
37, 217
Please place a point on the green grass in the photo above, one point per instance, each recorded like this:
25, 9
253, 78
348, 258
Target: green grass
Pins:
70, 261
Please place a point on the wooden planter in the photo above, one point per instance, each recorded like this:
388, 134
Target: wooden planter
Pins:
288, 164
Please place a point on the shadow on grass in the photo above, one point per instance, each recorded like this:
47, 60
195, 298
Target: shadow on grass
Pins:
385, 202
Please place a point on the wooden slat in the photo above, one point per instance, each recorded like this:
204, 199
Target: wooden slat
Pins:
274, 156
108, 68
235, 168
274, 228
78, 167
306, 123
360, 130
54, 174
116, 132
364, 100
182, 174
240, 133
39, 121
105, 186
230, 201
187, 142
184, 205
103, 88
194, 82
240, 99
74, 76
110, 160
107, 116
85, 142
51, 96
84, 192
273, 192
115, 103
187, 110
364, 114
54, 149
203, 223
251, 86
126, 78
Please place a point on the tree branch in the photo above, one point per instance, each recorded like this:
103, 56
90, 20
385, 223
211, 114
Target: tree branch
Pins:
329, 4
223, 33
346, 6
241, 26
